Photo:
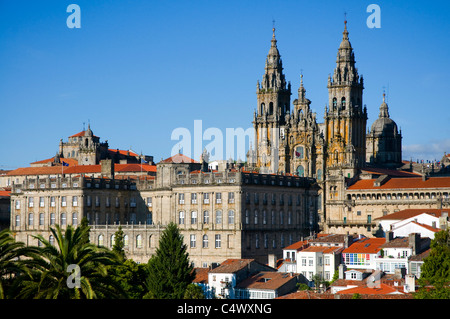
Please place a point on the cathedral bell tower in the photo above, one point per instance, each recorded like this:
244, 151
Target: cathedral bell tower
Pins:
345, 117
273, 96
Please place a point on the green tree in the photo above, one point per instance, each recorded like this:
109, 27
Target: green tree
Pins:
12, 261
169, 270
194, 291
435, 272
52, 278
119, 243
131, 277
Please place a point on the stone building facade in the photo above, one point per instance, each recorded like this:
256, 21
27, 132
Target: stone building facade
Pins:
221, 214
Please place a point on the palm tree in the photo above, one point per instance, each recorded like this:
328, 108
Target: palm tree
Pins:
54, 276
12, 262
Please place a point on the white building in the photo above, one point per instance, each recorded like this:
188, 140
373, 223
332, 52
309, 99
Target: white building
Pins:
318, 260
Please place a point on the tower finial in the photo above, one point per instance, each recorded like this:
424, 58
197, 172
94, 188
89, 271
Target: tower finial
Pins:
273, 28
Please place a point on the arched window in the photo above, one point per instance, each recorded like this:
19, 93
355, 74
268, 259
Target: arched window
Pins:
271, 108
319, 174
139, 241
343, 103
125, 240
261, 109
181, 218
100, 240
300, 171
112, 240
334, 103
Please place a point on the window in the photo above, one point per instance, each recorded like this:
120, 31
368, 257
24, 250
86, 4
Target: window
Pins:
30, 202
74, 201
41, 219
206, 217
256, 240
181, 218
17, 204
230, 197
17, 221
299, 152
88, 200
63, 201
300, 171
218, 241
41, 202
117, 202
193, 241
256, 217
205, 241
180, 198
51, 240
218, 217
281, 217
100, 240
264, 217
289, 218
74, 219
218, 198
97, 201
247, 217
30, 219
194, 198
139, 241
194, 217
107, 201
231, 217
125, 240
52, 219
63, 219
112, 240
206, 198
149, 202
272, 217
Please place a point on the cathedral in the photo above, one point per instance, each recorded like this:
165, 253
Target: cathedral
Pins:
292, 141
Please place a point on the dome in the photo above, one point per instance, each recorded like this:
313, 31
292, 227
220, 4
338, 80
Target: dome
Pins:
384, 125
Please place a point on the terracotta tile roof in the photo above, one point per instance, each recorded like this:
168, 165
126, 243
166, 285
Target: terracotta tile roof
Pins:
266, 280
201, 275
330, 238
69, 161
231, 265
408, 213
297, 246
45, 170
5, 193
122, 152
134, 168
366, 246
80, 134
179, 158
403, 183
397, 243
323, 249
80, 169
381, 289
390, 172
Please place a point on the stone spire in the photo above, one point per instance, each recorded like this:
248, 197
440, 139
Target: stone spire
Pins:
273, 77
384, 109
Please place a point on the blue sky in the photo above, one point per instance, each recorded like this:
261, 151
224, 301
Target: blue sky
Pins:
139, 69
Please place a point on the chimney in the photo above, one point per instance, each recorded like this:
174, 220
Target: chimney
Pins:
342, 269
414, 242
107, 168
272, 261
410, 283
389, 236
443, 220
